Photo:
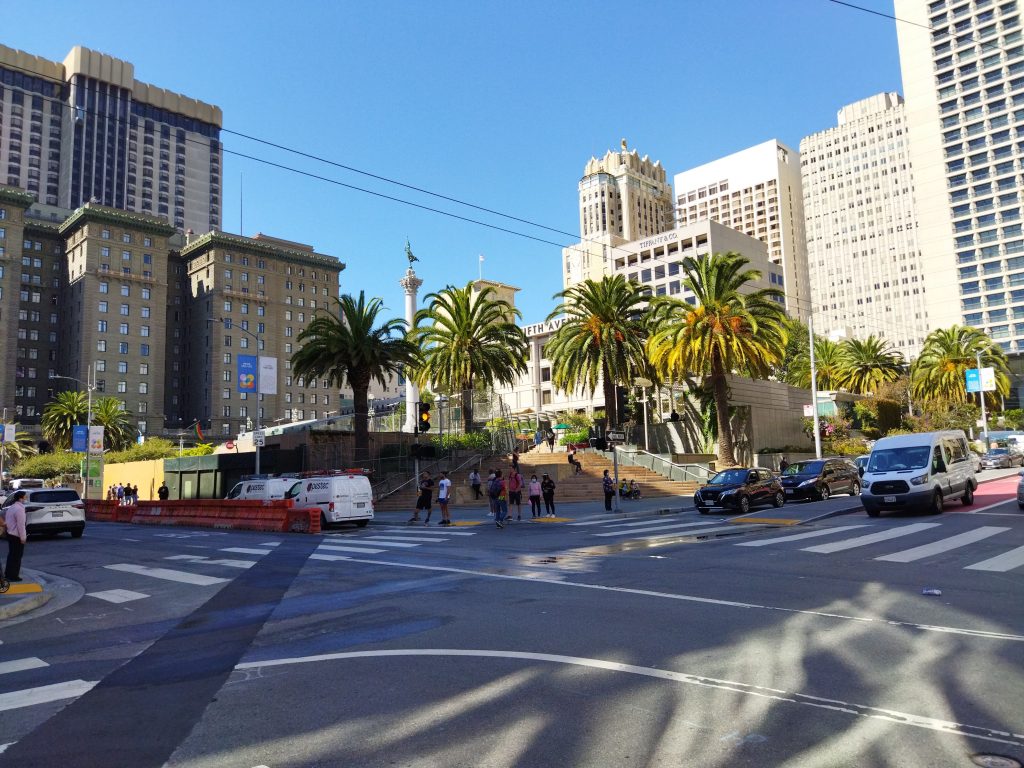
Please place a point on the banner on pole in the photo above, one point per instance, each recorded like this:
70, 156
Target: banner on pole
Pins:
95, 440
79, 438
980, 380
247, 373
10, 433
268, 375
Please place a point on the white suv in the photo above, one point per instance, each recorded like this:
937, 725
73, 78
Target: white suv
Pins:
52, 510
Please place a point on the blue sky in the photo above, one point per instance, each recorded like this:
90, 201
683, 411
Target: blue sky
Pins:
498, 104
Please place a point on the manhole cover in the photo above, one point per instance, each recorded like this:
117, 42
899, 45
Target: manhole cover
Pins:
995, 761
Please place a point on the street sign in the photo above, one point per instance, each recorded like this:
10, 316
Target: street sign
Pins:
619, 436
985, 381
259, 438
808, 410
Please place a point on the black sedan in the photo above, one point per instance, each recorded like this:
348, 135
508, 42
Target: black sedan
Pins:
820, 478
739, 490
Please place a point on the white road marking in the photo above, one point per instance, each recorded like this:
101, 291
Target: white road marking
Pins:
798, 536
662, 527
383, 542
44, 694
698, 532
118, 595
532, 578
3, 747
1001, 563
397, 537
980, 510
167, 574
942, 545
733, 686
315, 556
208, 561
246, 551
871, 538
343, 548
439, 531
18, 665
270, 543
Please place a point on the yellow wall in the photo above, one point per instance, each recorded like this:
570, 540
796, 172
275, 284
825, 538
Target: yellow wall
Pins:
146, 474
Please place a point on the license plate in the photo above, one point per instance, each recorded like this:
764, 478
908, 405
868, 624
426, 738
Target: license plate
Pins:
889, 499
790, 491
57, 513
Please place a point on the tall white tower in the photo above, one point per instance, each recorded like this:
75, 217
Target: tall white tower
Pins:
411, 285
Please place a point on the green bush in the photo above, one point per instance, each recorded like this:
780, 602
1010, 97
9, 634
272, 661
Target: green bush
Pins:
789, 449
849, 446
575, 436
48, 465
154, 448
203, 449
472, 441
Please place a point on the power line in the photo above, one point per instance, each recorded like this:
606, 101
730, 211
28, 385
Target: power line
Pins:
880, 13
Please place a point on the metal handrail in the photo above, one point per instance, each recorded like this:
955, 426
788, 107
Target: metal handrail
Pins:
475, 458
670, 469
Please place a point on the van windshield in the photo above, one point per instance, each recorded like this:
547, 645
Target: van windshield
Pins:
235, 492
900, 459
294, 491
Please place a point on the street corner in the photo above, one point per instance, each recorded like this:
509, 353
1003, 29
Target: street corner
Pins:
24, 596
552, 519
747, 520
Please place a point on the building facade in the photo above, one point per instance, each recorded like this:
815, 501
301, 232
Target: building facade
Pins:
756, 191
865, 264
963, 76
86, 130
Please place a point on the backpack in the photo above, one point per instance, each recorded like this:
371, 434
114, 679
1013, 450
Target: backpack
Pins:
494, 488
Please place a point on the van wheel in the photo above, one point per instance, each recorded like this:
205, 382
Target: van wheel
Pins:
76, 533
323, 522
937, 503
361, 523
872, 512
968, 497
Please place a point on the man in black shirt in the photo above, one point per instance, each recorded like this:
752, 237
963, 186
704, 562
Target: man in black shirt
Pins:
426, 486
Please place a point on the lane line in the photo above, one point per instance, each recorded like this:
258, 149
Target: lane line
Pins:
18, 665
635, 531
341, 548
118, 595
698, 532
942, 545
167, 574
871, 538
44, 694
532, 578
852, 709
798, 536
1001, 563
332, 558
208, 561
246, 551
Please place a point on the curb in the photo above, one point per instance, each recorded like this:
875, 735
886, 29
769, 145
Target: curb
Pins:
28, 603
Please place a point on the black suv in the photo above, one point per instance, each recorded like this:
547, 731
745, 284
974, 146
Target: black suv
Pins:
820, 478
739, 489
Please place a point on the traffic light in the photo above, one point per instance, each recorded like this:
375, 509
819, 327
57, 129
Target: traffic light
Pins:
423, 409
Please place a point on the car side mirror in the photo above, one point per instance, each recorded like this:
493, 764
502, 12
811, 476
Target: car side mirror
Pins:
1021, 473
860, 471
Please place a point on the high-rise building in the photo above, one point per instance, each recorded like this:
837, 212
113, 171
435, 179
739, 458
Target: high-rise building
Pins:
623, 197
866, 273
758, 192
963, 77
85, 130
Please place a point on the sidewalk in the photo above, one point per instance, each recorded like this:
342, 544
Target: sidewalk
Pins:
25, 595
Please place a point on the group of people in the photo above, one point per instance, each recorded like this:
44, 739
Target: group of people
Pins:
426, 492
124, 495
501, 493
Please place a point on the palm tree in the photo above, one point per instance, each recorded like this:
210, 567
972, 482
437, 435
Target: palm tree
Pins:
17, 449
118, 430
867, 364
350, 346
731, 329
827, 365
61, 414
466, 337
938, 372
602, 338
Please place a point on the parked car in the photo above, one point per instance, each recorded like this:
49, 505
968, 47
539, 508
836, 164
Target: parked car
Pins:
1000, 458
976, 460
1020, 490
739, 490
52, 510
919, 472
862, 461
820, 478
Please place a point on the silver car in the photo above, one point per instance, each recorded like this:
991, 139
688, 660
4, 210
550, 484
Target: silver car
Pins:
1000, 458
1020, 490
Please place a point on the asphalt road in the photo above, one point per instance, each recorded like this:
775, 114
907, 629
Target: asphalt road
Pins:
648, 640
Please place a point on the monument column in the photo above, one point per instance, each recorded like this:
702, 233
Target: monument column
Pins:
411, 285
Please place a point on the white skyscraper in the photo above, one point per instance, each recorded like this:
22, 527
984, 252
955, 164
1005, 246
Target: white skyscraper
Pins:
864, 262
963, 77
758, 192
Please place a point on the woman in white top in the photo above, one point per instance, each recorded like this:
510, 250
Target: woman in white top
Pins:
444, 492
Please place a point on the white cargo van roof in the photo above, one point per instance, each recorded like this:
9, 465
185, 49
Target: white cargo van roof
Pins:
918, 438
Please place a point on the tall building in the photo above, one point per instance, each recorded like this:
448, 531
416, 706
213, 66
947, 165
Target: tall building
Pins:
866, 271
963, 76
622, 197
85, 130
758, 192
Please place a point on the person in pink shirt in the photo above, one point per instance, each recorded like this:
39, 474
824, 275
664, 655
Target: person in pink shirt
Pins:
515, 489
535, 492
14, 519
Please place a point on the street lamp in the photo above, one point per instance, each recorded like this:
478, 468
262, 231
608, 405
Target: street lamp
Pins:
644, 384
229, 325
90, 385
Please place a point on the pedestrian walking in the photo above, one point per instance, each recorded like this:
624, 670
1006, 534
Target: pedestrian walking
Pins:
609, 490
515, 491
515, 461
490, 499
163, 492
426, 486
16, 535
497, 490
551, 441
547, 489
783, 465
534, 490
474, 483
444, 491
538, 438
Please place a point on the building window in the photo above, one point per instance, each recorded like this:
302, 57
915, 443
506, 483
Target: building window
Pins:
122, 386
102, 307
101, 326
144, 350
143, 369
225, 393
124, 310
101, 345
104, 287
123, 329
143, 388
144, 330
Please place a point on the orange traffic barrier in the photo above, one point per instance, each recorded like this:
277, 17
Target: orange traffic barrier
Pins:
233, 514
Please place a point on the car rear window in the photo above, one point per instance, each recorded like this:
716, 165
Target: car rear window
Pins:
58, 496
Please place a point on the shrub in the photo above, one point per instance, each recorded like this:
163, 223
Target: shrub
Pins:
471, 441
789, 449
850, 446
154, 448
48, 465
203, 449
575, 436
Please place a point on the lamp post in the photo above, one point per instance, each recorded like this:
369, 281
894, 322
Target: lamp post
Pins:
814, 388
644, 384
90, 385
228, 324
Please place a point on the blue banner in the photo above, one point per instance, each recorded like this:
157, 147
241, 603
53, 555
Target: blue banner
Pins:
79, 438
247, 373
973, 379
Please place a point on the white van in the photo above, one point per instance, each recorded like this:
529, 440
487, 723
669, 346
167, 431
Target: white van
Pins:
918, 472
266, 489
342, 498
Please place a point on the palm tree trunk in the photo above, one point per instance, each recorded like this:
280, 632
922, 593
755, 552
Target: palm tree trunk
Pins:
467, 408
610, 403
721, 391
361, 422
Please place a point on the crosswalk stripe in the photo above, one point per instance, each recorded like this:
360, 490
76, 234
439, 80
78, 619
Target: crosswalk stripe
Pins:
798, 536
118, 595
635, 531
943, 545
246, 551
386, 542
44, 694
167, 574
340, 548
698, 532
871, 538
1001, 563
270, 543
208, 561
316, 556
439, 531
19, 665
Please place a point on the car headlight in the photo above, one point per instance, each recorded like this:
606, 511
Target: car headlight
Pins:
866, 486
919, 480
727, 493
806, 483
